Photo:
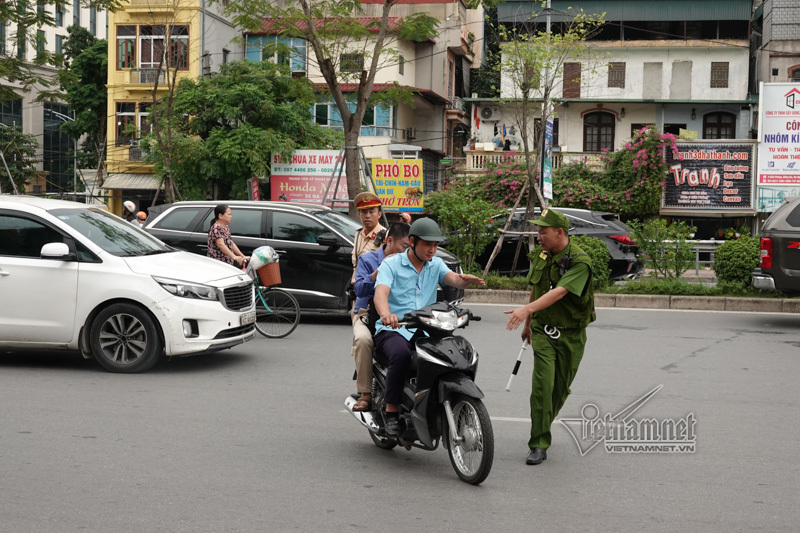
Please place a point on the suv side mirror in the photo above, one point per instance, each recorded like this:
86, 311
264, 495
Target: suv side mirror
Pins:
328, 239
56, 250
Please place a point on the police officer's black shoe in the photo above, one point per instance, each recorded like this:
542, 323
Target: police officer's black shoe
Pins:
536, 456
392, 427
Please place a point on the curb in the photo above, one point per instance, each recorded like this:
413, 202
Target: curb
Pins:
650, 301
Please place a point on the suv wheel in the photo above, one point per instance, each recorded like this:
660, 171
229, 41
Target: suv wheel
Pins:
125, 339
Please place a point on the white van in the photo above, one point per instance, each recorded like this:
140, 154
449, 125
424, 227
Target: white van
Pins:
74, 276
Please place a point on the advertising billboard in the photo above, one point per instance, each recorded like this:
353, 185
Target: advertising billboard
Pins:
399, 184
779, 144
709, 176
304, 177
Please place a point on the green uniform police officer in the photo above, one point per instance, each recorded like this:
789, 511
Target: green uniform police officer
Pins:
561, 306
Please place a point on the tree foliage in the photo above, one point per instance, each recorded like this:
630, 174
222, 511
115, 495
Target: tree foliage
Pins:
226, 127
664, 245
631, 184
735, 260
19, 150
600, 256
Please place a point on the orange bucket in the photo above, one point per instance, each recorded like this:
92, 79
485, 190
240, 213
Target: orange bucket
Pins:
269, 274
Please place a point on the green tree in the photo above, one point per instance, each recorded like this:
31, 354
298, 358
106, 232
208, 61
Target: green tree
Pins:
225, 127
347, 47
735, 260
26, 19
664, 245
19, 150
83, 81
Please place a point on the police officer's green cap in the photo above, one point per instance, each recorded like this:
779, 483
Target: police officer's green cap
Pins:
551, 217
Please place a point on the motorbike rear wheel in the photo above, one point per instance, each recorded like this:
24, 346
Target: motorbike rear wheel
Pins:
472, 457
382, 442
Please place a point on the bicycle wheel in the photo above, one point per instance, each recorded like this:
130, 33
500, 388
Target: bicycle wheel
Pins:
281, 314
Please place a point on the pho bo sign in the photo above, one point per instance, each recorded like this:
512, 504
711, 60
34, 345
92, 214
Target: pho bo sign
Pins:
399, 184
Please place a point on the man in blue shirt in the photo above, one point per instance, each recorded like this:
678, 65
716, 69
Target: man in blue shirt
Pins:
407, 282
366, 273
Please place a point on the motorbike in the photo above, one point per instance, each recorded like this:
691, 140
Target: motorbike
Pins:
440, 399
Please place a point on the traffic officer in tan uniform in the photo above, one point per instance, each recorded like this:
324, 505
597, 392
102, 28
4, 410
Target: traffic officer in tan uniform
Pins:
368, 238
561, 306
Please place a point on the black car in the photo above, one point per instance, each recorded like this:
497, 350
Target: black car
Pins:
780, 250
625, 262
313, 241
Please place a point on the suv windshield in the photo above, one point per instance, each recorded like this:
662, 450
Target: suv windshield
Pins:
342, 223
112, 234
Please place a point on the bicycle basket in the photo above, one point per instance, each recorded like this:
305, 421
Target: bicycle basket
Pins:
269, 274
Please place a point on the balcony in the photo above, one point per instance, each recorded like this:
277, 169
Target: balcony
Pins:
137, 152
147, 76
151, 6
477, 161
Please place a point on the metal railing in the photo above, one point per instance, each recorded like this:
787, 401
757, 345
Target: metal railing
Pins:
147, 75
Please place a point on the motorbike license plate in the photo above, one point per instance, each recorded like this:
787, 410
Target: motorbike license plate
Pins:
247, 318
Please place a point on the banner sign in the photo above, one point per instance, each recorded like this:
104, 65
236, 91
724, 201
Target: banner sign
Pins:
254, 192
547, 161
399, 184
709, 176
779, 148
305, 177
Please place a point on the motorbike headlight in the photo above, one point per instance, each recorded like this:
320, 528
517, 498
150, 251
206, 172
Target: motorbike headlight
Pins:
187, 290
446, 321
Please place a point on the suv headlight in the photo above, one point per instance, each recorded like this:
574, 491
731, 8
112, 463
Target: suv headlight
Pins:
187, 290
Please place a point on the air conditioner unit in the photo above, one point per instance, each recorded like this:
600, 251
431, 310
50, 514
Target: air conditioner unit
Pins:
490, 113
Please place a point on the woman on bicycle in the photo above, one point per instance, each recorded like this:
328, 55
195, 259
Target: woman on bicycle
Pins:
220, 243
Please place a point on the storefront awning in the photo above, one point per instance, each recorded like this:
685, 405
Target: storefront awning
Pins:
122, 181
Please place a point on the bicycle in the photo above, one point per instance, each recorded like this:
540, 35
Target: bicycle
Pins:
277, 311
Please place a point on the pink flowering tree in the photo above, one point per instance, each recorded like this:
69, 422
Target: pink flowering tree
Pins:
631, 184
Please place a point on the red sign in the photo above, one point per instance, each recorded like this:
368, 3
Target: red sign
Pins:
254, 188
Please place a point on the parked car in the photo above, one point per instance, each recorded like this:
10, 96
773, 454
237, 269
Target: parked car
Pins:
314, 243
625, 261
76, 277
780, 250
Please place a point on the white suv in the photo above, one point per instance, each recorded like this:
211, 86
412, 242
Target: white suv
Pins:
76, 277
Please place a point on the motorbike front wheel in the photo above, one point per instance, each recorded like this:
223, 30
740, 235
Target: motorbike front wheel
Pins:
472, 456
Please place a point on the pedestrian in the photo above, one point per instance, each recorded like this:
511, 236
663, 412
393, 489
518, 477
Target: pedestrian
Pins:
129, 211
561, 306
220, 242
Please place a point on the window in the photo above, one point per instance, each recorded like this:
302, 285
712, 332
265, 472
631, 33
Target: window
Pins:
41, 43
598, 131
126, 47
719, 126
674, 129
76, 12
401, 65
40, 7
572, 80
126, 117
93, 20
22, 44
636, 127
183, 219
2, 38
719, 74
11, 113
22, 237
294, 227
352, 63
151, 46
378, 121
616, 75
179, 47
60, 15
245, 223
282, 50
59, 44
225, 54
795, 75
144, 114
57, 148
451, 73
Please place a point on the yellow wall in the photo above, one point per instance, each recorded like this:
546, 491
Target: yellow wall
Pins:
120, 89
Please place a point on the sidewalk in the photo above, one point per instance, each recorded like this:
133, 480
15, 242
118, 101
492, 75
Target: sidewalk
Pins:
653, 301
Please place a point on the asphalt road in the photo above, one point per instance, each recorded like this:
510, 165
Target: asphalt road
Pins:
256, 439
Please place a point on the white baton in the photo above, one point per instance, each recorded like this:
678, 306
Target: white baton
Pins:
516, 365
